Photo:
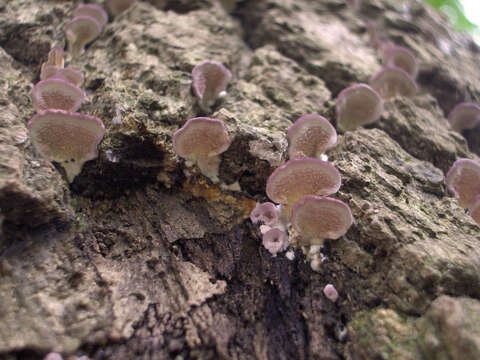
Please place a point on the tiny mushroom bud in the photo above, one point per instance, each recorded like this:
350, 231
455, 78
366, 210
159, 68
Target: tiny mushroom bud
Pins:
358, 105
116, 7
330, 292
201, 140
299, 177
57, 93
93, 10
275, 240
80, 31
310, 136
475, 209
463, 179
464, 116
266, 212
209, 79
402, 58
65, 137
392, 81
316, 218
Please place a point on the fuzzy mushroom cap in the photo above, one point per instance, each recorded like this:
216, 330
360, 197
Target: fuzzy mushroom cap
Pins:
463, 179
93, 10
392, 81
316, 218
116, 7
275, 240
464, 116
266, 212
475, 209
310, 136
402, 58
68, 138
299, 177
80, 31
57, 93
209, 79
200, 138
358, 105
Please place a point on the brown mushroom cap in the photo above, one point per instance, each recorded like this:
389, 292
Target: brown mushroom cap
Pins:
402, 58
392, 81
80, 31
463, 179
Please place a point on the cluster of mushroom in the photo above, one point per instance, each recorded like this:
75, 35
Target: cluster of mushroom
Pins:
463, 179
57, 131
300, 189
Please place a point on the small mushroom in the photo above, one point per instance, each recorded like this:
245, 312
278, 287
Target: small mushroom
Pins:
69, 74
80, 31
55, 57
330, 292
299, 177
116, 7
53, 356
67, 138
209, 79
475, 209
316, 218
275, 240
92, 10
463, 179
200, 140
392, 81
464, 116
265, 212
57, 93
310, 136
402, 58
358, 105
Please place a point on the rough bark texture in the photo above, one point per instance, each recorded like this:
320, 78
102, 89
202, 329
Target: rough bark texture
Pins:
137, 260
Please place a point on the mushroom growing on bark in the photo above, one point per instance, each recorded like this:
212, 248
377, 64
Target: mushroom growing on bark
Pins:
330, 292
92, 10
392, 81
275, 240
310, 136
357, 105
80, 31
464, 116
200, 140
265, 212
402, 58
463, 179
316, 218
116, 7
65, 137
57, 93
209, 79
69, 74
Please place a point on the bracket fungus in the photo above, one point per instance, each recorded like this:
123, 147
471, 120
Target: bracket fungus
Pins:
316, 218
55, 57
299, 177
310, 136
402, 58
56, 93
93, 10
209, 79
69, 74
65, 137
463, 179
200, 140
116, 7
392, 81
358, 105
464, 116
265, 212
80, 31
475, 209
275, 240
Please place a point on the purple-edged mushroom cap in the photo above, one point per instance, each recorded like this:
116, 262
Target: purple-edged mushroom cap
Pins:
464, 116
275, 240
299, 177
265, 212
392, 81
57, 93
116, 7
316, 218
310, 136
330, 292
55, 57
201, 140
402, 58
463, 179
69, 74
80, 31
93, 10
65, 137
358, 105
209, 79
475, 209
